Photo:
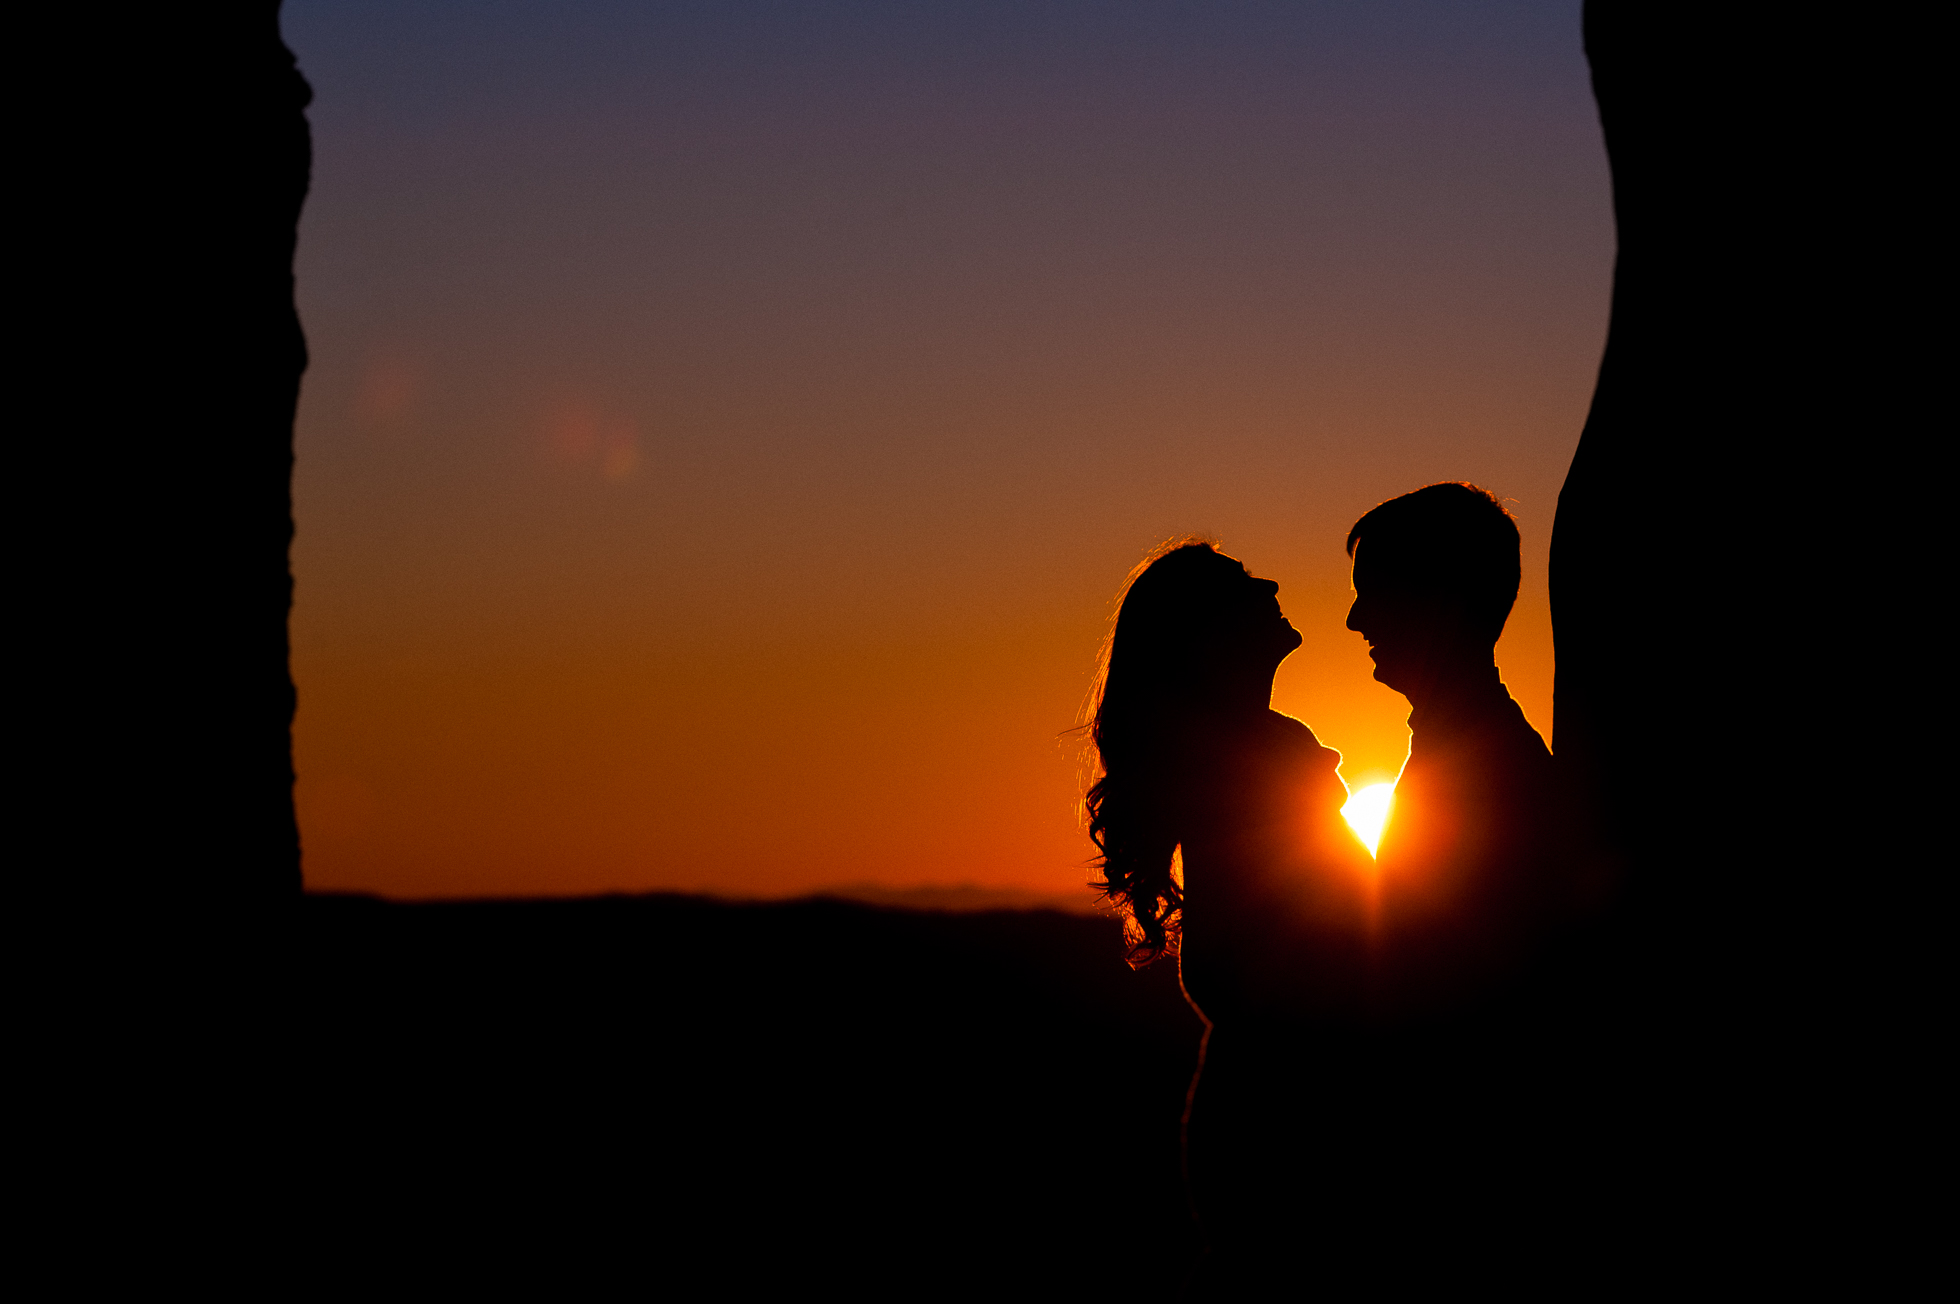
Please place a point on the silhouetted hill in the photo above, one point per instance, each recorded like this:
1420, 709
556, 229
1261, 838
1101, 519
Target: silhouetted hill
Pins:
676, 1087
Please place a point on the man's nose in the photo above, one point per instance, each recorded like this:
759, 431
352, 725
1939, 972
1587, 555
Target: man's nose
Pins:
1354, 616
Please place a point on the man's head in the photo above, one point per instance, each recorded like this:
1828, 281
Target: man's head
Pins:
1435, 577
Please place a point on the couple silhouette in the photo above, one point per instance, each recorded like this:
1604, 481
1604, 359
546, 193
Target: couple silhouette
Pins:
1355, 1005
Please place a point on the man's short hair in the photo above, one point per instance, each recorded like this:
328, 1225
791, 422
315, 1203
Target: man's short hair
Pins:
1447, 538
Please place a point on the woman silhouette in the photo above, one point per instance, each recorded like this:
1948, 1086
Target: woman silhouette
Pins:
1222, 842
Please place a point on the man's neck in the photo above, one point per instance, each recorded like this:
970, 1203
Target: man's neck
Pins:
1453, 687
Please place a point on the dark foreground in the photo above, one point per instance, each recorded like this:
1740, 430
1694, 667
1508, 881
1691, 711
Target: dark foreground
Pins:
669, 1089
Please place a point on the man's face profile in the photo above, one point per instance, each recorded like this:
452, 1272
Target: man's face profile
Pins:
1413, 630
1381, 615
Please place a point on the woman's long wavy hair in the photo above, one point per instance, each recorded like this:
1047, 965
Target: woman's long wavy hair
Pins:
1156, 671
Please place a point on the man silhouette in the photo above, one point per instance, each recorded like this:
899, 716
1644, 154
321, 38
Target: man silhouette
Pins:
1464, 863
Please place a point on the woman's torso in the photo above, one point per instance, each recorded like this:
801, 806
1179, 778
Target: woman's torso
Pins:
1274, 883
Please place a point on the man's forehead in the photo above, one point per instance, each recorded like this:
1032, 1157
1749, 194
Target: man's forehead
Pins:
1381, 562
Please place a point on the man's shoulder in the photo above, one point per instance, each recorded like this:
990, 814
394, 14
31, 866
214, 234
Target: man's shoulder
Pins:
1493, 733
1508, 741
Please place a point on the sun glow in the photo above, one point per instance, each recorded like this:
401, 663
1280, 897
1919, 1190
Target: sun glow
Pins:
1367, 810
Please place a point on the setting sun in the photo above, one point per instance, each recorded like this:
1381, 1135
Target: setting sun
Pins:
1367, 810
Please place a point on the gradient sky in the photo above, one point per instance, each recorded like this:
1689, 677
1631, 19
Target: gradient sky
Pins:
729, 423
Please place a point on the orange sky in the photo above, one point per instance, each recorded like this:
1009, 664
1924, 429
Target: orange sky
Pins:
726, 431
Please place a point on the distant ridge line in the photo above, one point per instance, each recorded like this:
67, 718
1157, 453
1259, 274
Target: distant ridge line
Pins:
961, 898
966, 898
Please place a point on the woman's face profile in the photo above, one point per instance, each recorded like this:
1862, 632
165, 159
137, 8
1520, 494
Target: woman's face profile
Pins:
1283, 628
1201, 627
1269, 638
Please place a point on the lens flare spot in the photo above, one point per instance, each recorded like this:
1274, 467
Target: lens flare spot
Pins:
581, 434
387, 394
1367, 810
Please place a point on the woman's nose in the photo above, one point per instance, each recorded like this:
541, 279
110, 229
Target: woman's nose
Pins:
1354, 613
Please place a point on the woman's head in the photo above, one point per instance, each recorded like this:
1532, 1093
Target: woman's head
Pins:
1193, 632
1195, 635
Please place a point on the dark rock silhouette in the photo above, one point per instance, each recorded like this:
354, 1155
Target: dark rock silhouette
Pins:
166, 155
1733, 535
167, 354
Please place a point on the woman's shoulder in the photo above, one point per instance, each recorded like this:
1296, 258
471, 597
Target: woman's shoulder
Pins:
1286, 731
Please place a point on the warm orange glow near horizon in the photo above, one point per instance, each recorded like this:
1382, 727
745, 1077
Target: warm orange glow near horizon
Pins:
1367, 810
